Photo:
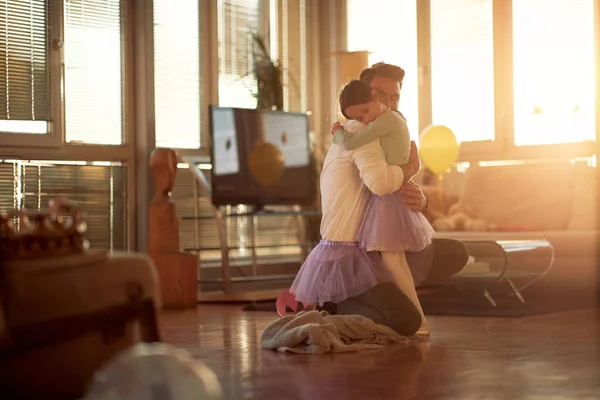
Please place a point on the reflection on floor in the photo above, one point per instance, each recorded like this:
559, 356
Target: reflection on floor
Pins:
552, 356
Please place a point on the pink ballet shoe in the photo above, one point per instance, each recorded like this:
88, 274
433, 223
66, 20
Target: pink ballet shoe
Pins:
286, 299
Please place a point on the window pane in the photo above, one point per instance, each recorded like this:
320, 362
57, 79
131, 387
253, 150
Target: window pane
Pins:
99, 187
93, 63
553, 71
237, 20
288, 41
388, 29
24, 70
462, 67
177, 73
35, 127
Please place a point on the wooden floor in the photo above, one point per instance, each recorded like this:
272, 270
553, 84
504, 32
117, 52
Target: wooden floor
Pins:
554, 356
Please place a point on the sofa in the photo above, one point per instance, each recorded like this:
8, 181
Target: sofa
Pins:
556, 201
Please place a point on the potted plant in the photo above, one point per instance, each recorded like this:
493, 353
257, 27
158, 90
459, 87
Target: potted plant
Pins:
268, 74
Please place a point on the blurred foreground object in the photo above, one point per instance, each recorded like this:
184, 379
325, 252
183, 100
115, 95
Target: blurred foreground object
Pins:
154, 371
66, 310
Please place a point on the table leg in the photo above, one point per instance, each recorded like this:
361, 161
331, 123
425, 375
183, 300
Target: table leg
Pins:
489, 297
516, 291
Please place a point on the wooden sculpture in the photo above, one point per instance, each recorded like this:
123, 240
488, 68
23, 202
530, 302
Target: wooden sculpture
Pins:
178, 272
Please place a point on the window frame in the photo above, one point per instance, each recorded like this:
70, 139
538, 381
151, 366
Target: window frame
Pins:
53, 146
503, 147
55, 140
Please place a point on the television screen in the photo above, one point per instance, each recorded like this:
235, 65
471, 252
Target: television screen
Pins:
260, 157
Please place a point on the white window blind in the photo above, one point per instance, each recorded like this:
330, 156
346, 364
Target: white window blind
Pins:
177, 83
462, 67
93, 57
237, 21
288, 47
289, 42
24, 73
99, 187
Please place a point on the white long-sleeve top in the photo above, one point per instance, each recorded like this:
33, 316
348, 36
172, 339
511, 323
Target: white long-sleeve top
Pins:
347, 181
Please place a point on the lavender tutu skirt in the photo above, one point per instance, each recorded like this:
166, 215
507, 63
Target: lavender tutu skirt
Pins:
389, 225
334, 271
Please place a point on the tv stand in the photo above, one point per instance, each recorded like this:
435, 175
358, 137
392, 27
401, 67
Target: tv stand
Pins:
260, 209
251, 215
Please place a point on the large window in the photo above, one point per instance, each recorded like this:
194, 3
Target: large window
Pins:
62, 58
553, 62
509, 77
93, 48
238, 20
462, 67
61, 90
177, 83
388, 29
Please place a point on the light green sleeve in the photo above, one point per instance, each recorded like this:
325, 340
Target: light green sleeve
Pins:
382, 126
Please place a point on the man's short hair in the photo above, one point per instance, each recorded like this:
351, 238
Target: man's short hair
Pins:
383, 70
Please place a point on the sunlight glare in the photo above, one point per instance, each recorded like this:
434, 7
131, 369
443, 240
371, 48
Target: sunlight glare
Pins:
389, 36
553, 71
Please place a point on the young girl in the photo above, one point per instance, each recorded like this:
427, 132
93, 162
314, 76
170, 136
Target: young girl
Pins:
389, 225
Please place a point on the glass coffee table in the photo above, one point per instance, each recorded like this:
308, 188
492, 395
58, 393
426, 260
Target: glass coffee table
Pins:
518, 263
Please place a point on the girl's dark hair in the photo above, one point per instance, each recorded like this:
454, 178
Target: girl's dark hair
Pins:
355, 92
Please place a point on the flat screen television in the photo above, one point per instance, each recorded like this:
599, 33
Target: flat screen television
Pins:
236, 133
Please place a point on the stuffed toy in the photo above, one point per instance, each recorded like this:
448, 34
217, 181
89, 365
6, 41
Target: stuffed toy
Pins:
446, 213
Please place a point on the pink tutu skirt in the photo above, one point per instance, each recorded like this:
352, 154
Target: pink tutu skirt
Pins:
389, 225
334, 271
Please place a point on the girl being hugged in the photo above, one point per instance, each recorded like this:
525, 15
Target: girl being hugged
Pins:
389, 225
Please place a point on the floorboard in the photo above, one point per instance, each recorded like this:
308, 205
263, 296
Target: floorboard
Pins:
552, 356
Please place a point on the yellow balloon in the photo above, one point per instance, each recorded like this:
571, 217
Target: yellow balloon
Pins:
438, 149
266, 164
